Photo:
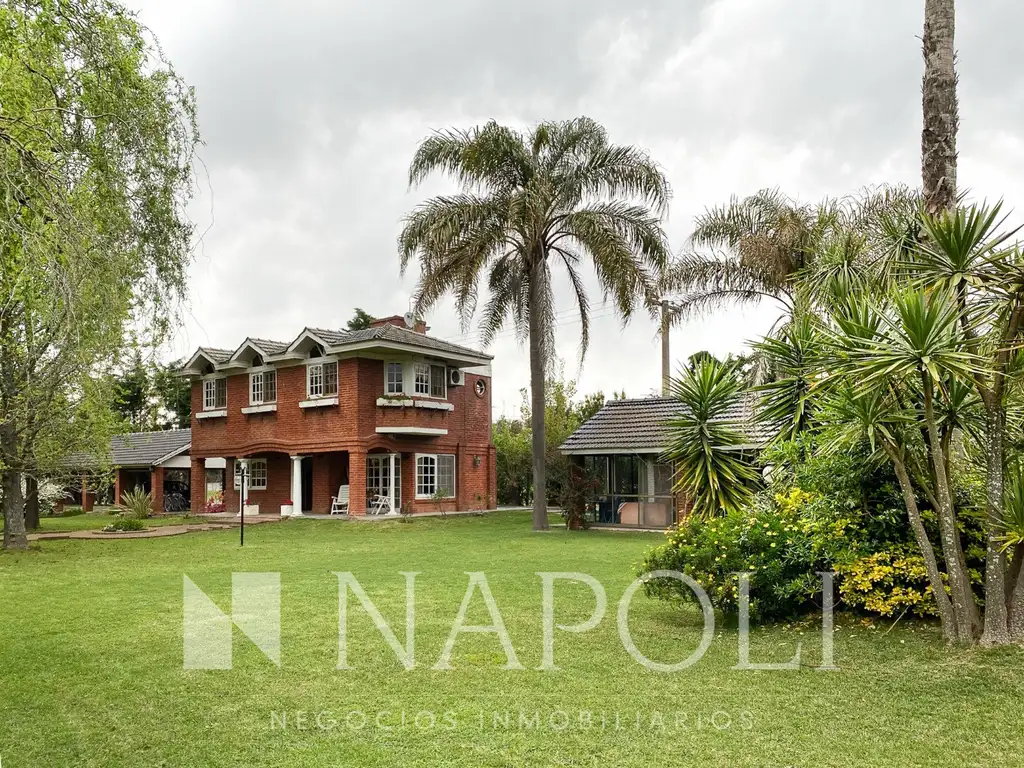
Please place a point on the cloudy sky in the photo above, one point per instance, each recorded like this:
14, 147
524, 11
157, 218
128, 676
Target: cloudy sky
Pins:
311, 109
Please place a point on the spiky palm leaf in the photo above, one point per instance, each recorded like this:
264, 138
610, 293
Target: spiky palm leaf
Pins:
703, 439
558, 196
794, 358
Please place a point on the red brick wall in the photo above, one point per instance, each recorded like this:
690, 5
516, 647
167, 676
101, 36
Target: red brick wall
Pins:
348, 427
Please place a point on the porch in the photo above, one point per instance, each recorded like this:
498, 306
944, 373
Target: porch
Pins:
630, 490
378, 483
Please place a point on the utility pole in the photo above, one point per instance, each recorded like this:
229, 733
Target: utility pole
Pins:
666, 359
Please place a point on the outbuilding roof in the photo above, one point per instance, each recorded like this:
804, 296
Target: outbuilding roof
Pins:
138, 449
642, 426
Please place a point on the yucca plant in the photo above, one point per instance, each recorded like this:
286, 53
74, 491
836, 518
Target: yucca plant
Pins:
136, 504
793, 357
704, 437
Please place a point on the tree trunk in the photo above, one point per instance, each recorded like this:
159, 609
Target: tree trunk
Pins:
943, 604
14, 504
537, 375
997, 631
939, 107
1015, 609
947, 618
31, 503
965, 608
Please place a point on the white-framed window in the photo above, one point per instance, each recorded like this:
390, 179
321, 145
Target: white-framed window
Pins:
257, 475
378, 476
421, 379
430, 380
215, 394
263, 387
394, 382
322, 379
435, 472
438, 381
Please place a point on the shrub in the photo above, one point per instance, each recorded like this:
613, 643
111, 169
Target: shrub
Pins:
579, 486
71, 512
780, 549
125, 524
136, 503
888, 583
215, 504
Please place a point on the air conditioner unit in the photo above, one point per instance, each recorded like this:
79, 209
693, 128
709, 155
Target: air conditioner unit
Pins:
456, 378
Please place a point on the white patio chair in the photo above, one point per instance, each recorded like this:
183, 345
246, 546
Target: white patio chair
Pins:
380, 505
339, 503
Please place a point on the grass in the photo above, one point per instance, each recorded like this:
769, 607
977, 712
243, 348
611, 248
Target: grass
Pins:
91, 653
96, 520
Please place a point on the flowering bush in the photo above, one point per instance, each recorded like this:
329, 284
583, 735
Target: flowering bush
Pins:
215, 504
773, 541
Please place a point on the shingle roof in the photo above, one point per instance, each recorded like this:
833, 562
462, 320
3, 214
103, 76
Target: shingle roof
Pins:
270, 347
412, 338
641, 425
145, 448
216, 355
331, 337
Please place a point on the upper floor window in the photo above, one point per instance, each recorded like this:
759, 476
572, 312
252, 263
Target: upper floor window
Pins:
215, 394
263, 387
429, 380
322, 379
394, 383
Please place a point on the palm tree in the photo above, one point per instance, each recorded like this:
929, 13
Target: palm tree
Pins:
703, 439
559, 194
939, 106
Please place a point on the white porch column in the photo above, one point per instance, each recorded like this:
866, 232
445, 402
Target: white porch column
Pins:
394, 480
296, 486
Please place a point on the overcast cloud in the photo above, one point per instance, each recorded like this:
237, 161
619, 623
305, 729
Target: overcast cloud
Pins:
311, 110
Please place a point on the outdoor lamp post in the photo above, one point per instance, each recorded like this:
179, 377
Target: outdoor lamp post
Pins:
243, 489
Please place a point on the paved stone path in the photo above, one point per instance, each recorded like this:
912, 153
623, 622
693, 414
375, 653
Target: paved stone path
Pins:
222, 523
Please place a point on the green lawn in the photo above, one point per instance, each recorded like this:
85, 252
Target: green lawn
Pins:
96, 520
92, 673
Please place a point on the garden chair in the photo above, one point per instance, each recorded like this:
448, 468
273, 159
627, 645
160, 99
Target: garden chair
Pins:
339, 503
380, 505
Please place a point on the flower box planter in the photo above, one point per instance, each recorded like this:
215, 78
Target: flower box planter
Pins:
287, 510
252, 509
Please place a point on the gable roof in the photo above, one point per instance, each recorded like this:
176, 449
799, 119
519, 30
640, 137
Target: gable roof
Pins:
398, 335
641, 426
137, 449
385, 336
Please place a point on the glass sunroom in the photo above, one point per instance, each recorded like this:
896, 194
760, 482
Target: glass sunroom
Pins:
631, 490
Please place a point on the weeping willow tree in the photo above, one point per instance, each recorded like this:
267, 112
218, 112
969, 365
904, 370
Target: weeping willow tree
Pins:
97, 135
556, 197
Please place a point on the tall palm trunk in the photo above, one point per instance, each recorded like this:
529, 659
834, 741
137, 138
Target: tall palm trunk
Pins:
537, 370
942, 604
940, 120
965, 608
1015, 598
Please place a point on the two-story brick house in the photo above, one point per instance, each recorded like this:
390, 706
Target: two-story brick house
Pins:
387, 411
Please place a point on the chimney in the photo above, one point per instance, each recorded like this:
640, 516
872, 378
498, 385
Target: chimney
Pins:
419, 326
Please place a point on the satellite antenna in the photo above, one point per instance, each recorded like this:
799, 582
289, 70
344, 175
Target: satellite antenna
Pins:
410, 319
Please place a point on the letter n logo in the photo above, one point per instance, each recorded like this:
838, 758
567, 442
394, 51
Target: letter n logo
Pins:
255, 610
